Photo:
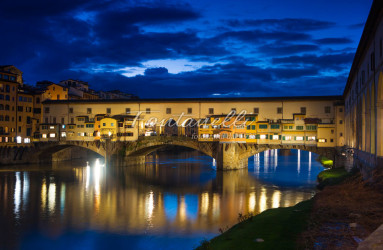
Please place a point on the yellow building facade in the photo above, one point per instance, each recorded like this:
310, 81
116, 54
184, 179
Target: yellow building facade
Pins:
264, 120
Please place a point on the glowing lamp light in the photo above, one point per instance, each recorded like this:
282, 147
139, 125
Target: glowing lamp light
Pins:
109, 133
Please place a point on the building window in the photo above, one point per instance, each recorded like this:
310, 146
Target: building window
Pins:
148, 110
72, 120
71, 110
168, 110
263, 126
211, 111
340, 121
340, 134
303, 110
256, 110
331, 140
190, 110
340, 110
233, 110
89, 110
46, 119
299, 127
20, 109
54, 119
274, 126
127, 110
279, 110
327, 109
58, 97
332, 131
62, 120
46, 110
108, 110
37, 100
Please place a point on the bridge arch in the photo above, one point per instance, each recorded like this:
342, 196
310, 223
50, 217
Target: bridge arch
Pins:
149, 145
47, 152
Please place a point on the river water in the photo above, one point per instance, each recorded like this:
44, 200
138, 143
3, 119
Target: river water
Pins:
173, 201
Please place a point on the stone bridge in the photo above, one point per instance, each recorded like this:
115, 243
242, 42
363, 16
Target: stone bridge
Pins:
228, 156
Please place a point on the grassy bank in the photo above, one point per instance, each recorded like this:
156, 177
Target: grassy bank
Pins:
330, 177
279, 228
327, 163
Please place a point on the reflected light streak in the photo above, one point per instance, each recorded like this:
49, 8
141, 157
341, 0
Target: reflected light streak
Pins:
263, 200
17, 194
215, 205
149, 205
62, 198
257, 163
309, 164
299, 161
266, 160
276, 199
252, 202
275, 158
87, 177
43, 195
25, 188
204, 203
182, 209
51, 196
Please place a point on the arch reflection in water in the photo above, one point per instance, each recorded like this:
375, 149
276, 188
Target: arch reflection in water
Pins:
179, 195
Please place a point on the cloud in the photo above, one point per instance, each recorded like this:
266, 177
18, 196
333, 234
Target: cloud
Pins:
325, 41
331, 61
286, 49
284, 24
259, 35
156, 71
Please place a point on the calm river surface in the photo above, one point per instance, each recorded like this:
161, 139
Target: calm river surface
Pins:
173, 201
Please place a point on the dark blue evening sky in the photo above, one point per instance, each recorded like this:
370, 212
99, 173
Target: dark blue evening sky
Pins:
191, 48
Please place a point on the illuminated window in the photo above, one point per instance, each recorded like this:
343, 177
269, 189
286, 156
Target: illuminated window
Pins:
52, 135
288, 138
322, 140
310, 138
299, 138
262, 137
275, 137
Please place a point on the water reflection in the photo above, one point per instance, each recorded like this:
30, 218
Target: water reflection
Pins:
178, 195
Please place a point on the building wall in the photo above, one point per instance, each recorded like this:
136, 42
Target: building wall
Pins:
8, 96
363, 93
